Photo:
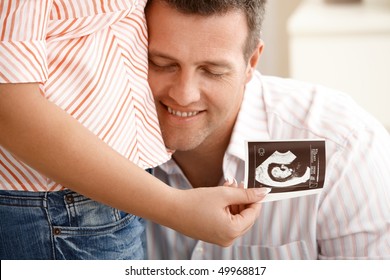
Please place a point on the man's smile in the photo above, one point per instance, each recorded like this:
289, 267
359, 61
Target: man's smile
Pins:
182, 114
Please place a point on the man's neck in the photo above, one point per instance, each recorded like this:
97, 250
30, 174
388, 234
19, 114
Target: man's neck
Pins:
203, 166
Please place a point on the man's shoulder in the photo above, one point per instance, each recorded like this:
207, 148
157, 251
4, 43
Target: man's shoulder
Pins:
298, 108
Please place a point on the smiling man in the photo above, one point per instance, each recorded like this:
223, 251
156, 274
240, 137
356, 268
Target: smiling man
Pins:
198, 76
210, 99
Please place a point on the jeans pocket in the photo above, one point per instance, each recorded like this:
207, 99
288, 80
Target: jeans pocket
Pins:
91, 230
82, 214
120, 240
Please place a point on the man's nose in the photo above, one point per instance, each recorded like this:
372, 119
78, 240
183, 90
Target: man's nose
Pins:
186, 90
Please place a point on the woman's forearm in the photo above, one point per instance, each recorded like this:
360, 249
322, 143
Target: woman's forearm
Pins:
49, 140
55, 144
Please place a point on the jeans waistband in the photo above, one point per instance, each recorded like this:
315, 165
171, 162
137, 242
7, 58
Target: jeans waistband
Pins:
37, 199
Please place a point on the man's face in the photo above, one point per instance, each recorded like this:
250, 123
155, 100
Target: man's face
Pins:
197, 74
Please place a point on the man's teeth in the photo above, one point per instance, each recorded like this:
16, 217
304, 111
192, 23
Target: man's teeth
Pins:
182, 114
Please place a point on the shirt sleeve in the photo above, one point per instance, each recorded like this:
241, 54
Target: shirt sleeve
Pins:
354, 215
23, 26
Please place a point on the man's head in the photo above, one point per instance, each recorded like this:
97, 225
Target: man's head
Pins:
252, 9
201, 55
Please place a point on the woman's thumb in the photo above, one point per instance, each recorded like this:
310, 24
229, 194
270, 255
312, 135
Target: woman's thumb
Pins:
250, 195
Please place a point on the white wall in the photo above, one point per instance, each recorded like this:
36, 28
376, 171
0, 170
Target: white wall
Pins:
275, 58
346, 47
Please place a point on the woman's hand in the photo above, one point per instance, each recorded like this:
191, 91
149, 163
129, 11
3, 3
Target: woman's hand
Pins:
218, 214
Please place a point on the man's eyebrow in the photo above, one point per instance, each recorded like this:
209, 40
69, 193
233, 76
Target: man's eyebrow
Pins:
160, 55
218, 63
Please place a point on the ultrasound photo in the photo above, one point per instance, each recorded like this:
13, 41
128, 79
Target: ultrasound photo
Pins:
290, 168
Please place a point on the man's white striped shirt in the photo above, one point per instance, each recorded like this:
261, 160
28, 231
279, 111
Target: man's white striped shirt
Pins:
349, 219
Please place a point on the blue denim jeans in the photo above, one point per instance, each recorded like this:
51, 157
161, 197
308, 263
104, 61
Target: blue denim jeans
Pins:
66, 225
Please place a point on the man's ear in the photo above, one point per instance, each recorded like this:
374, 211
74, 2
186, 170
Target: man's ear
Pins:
253, 60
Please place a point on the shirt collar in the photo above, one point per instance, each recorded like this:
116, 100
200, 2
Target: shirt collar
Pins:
251, 123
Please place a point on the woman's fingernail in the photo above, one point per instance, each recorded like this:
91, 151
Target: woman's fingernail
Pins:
262, 191
229, 180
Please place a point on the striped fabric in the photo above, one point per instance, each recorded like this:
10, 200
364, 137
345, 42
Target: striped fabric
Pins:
350, 219
90, 58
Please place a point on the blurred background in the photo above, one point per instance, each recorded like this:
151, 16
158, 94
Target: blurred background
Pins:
337, 43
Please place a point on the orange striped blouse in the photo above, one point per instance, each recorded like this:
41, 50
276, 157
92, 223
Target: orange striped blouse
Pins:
90, 58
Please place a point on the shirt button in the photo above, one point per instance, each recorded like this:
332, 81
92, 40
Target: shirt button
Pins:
199, 250
56, 231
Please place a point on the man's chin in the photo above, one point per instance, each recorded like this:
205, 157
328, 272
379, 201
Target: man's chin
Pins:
181, 147
184, 142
